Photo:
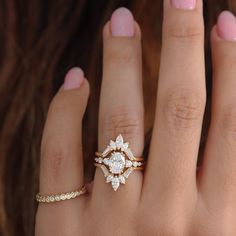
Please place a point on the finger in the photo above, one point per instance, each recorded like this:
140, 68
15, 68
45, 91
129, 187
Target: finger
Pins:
61, 154
218, 175
61, 157
180, 103
121, 104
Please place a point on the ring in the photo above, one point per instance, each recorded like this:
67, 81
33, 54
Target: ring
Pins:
117, 162
60, 197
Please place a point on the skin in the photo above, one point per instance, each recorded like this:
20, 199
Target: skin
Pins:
170, 197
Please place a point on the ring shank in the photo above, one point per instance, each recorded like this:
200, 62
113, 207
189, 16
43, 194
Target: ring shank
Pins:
98, 154
61, 197
134, 168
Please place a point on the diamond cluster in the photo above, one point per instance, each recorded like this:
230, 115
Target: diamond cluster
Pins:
117, 162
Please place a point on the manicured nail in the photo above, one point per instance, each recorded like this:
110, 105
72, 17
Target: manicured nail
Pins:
73, 79
122, 23
226, 26
184, 4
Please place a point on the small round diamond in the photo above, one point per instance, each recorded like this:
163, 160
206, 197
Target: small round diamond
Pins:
57, 198
135, 163
128, 163
117, 163
52, 199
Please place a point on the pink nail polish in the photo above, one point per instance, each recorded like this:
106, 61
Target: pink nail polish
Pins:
73, 79
122, 23
226, 26
184, 4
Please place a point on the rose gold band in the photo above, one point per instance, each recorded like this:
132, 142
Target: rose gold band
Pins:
134, 168
60, 197
98, 154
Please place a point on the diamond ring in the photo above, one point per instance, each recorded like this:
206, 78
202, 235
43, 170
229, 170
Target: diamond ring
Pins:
117, 162
61, 197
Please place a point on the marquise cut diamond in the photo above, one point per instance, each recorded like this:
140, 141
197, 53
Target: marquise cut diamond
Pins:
117, 162
115, 183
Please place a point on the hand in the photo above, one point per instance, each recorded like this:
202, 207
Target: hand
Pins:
169, 198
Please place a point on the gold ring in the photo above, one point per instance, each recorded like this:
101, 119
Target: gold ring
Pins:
117, 162
60, 197
98, 154
134, 168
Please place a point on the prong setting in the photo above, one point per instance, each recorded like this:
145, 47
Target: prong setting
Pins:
117, 162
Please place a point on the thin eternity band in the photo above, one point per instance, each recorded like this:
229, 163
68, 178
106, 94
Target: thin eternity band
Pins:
60, 197
134, 168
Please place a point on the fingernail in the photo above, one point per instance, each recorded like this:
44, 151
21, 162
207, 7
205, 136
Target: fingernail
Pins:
73, 79
122, 23
184, 4
226, 26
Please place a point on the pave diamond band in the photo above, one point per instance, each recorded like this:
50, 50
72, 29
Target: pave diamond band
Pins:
117, 162
60, 197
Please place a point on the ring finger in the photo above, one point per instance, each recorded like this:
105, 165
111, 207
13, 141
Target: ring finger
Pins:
121, 102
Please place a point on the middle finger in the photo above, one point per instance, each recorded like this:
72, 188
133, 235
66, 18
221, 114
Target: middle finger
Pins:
171, 167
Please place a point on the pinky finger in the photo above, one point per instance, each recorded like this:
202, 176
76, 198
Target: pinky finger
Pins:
61, 167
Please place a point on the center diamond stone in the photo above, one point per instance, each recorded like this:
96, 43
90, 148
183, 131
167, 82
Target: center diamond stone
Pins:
117, 163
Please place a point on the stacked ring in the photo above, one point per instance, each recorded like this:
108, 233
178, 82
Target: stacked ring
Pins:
60, 197
117, 162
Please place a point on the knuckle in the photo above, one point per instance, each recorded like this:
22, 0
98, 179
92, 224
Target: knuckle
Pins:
185, 34
54, 155
183, 108
185, 31
125, 54
128, 123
